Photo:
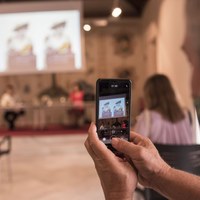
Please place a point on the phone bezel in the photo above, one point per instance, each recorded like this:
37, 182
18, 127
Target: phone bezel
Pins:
109, 81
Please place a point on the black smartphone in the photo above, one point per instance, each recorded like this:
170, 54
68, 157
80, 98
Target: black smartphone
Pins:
113, 107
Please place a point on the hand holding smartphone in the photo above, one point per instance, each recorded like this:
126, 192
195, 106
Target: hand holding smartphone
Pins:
113, 105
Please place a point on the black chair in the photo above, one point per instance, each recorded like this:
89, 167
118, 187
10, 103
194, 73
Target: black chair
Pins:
11, 116
183, 157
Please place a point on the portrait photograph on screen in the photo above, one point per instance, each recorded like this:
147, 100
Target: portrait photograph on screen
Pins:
113, 119
41, 40
112, 106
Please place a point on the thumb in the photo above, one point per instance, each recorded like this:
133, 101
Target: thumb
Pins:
124, 146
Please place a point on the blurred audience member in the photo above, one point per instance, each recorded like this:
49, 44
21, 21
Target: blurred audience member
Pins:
77, 101
107, 126
102, 126
11, 106
163, 120
116, 124
124, 124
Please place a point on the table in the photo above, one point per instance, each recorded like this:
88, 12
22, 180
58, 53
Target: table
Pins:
40, 116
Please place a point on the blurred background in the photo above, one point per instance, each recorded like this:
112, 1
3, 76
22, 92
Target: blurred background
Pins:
48, 160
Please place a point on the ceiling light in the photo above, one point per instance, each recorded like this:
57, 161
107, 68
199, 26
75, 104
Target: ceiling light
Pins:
87, 27
116, 12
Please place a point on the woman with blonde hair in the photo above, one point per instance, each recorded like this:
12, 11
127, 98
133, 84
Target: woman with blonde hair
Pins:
163, 120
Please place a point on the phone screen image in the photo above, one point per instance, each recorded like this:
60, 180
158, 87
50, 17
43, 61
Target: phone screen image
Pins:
113, 101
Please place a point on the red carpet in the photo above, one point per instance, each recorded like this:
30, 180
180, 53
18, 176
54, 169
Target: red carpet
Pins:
49, 131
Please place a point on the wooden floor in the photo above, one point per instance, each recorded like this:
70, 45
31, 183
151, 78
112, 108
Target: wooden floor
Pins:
49, 168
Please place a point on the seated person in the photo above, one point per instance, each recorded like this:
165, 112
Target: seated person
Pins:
77, 102
116, 124
102, 126
163, 121
124, 124
12, 109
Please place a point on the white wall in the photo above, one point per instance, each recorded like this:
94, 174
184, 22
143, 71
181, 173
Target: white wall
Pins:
150, 34
165, 20
171, 59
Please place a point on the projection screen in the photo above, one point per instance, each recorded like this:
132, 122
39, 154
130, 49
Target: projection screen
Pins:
41, 37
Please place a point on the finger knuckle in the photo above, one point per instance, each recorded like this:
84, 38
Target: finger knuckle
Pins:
141, 152
148, 141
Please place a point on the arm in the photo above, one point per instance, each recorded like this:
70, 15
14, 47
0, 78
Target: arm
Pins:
153, 172
176, 184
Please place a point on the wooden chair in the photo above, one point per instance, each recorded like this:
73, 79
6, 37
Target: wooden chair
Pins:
183, 157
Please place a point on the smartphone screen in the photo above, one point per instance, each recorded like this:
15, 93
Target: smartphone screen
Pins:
113, 104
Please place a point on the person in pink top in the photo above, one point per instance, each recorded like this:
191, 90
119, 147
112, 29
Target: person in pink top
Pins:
76, 97
163, 120
76, 112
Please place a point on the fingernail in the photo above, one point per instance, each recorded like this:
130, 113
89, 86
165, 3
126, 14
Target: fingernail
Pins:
91, 125
115, 141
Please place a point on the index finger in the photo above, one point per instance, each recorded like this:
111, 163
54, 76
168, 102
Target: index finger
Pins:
135, 137
128, 148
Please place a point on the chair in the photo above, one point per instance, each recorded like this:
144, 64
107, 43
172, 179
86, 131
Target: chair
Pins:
5, 149
183, 157
11, 116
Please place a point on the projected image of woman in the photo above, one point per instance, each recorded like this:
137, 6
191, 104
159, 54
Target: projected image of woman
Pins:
58, 47
20, 48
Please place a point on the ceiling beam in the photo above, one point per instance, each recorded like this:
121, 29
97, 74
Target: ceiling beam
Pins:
134, 5
137, 5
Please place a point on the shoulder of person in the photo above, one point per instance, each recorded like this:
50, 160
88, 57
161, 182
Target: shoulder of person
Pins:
144, 114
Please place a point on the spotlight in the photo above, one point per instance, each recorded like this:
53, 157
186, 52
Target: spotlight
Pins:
116, 12
87, 27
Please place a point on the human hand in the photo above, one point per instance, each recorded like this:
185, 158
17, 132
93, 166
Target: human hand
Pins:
118, 178
144, 156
